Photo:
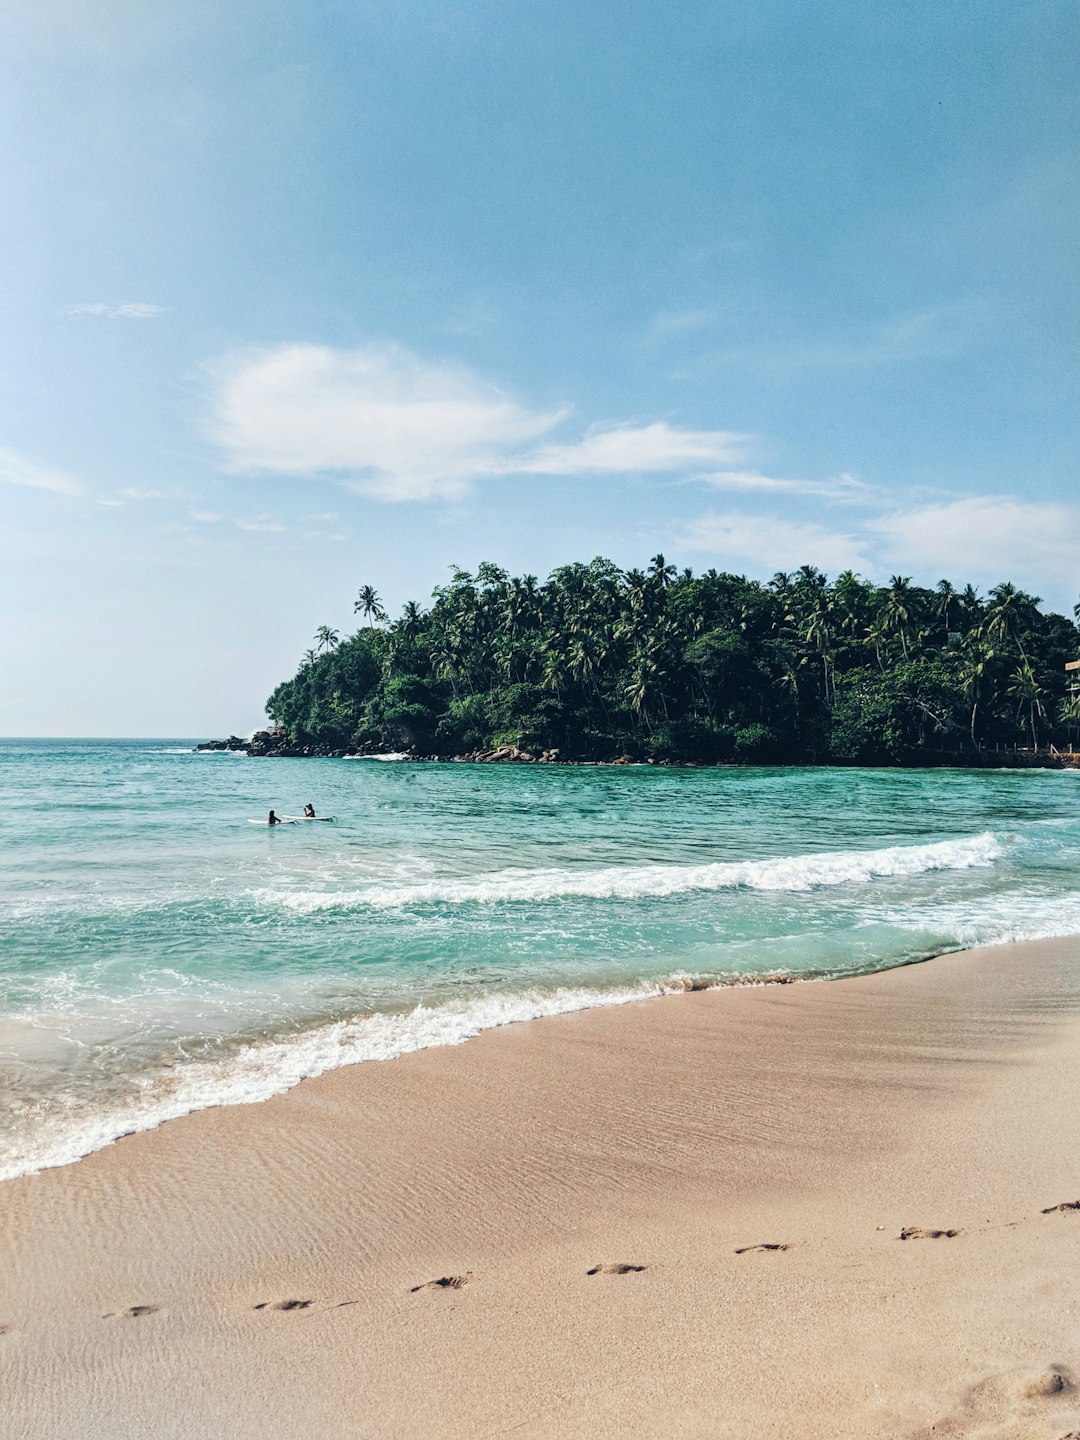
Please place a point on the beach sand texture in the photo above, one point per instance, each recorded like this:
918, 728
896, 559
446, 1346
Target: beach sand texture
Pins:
819, 1210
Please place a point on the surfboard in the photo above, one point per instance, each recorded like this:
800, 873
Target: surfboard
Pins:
309, 817
282, 820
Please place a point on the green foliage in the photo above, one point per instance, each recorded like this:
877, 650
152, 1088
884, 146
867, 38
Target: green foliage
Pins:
598, 662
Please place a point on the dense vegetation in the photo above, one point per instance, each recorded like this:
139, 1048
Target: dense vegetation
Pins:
599, 662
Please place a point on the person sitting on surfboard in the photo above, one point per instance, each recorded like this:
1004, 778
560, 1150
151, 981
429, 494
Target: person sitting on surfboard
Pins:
309, 811
273, 820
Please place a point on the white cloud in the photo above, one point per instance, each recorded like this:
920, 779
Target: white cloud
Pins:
983, 538
383, 421
630, 449
678, 322
988, 537
837, 487
129, 310
206, 517
16, 469
261, 524
381, 418
773, 544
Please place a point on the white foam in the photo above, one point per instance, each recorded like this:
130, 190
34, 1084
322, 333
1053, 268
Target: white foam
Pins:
632, 882
268, 1068
1000, 919
390, 755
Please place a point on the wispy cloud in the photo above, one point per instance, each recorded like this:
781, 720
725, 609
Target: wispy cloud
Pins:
206, 517
983, 538
129, 310
628, 449
666, 323
261, 525
773, 544
383, 421
936, 332
16, 469
836, 487
989, 537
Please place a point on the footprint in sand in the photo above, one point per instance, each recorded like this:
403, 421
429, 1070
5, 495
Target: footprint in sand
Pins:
915, 1232
444, 1282
1028, 1399
622, 1269
132, 1312
1062, 1208
284, 1304
749, 1249
1053, 1381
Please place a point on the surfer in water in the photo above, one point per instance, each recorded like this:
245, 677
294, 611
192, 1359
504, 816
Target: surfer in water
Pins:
309, 811
273, 820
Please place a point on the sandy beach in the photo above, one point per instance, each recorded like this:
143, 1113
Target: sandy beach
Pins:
681, 1217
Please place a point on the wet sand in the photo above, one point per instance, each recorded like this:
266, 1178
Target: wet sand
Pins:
818, 1210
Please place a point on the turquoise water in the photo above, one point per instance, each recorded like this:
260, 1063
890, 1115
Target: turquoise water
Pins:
158, 953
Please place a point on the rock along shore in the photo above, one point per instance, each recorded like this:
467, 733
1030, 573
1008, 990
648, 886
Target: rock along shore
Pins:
276, 744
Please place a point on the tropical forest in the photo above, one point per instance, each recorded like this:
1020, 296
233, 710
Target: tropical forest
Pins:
598, 663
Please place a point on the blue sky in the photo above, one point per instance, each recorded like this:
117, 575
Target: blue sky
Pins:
299, 297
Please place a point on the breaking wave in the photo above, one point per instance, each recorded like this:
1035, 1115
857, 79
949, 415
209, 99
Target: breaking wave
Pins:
633, 882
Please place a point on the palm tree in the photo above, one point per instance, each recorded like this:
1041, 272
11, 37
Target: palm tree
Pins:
899, 609
660, 573
978, 659
308, 659
326, 638
1069, 712
809, 577
947, 596
412, 620
1027, 691
1009, 609
369, 604
818, 633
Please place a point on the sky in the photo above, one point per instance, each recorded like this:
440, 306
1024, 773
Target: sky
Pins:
300, 297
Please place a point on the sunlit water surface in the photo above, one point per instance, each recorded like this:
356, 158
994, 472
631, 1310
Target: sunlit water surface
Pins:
159, 953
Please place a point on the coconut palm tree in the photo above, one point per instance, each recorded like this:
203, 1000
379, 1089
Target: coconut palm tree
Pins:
1008, 611
368, 603
326, 639
1025, 688
977, 669
899, 611
412, 617
947, 597
817, 632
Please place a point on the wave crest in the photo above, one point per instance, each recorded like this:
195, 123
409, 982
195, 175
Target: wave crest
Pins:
632, 882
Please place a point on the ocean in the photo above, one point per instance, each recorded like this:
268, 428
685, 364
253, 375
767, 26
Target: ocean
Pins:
160, 954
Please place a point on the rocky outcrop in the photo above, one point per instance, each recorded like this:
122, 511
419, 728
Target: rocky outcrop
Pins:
503, 754
275, 743
271, 743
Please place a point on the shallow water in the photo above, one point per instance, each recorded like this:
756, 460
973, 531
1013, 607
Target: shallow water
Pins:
158, 953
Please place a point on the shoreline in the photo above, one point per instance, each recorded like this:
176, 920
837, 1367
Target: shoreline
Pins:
264, 745
299, 1065
273, 1249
